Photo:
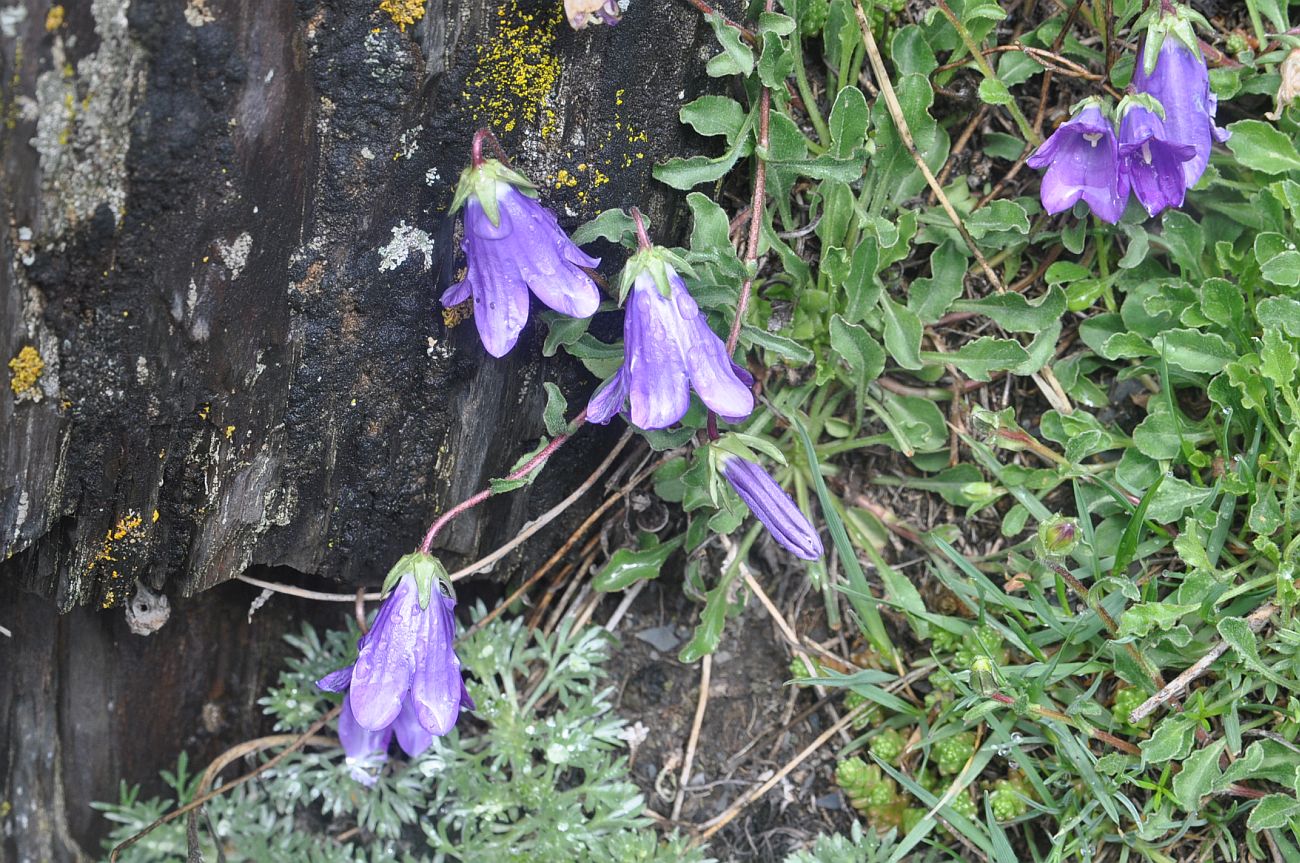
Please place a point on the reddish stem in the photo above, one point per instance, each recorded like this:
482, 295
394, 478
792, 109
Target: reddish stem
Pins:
755, 219
476, 147
642, 238
523, 471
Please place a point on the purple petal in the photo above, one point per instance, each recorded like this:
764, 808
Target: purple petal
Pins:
1083, 164
411, 736
366, 750
546, 258
712, 372
500, 291
436, 687
772, 506
336, 681
457, 293
608, 399
1182, 85
659, 389
386, 662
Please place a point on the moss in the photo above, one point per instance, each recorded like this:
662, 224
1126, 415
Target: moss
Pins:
403, 12
26, 370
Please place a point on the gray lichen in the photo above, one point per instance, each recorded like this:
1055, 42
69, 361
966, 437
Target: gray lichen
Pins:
83, 122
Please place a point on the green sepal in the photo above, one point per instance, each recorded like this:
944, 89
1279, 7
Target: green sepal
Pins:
481, 182
1180, 22
657, 261
426, 570
1146, 100
1094, 101
743, 445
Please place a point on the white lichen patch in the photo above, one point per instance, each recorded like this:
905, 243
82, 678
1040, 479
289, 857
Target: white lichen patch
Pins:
235, 255
432, 177
10, 18
83, 121
409, 144
197, 13
406, 239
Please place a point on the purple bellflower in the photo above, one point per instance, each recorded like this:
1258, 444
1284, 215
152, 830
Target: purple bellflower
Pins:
1153, 163
1177, 77
1082, 162
772, 506
583, 12
668, 349
514, 245
406, 680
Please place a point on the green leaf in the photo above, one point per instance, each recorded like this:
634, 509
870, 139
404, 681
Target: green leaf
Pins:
848, 122
1279, 312
714, 115
736, 57
1273, 812
1015, 312
1171, 740
931, 297
1128, 542
862, 286
1261, 147
1236, 631
788, 348
858, 350
1140, 619
709, 225
823, 167
1195, 780
902, 333
556, 408
994, 92
1157, 437
1194, 351
1277, 359
776, 62
1174, 498
500, 485
628, 566
612, 225
982, 356
998, 215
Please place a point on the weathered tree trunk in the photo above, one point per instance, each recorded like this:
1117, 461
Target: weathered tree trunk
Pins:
225, 230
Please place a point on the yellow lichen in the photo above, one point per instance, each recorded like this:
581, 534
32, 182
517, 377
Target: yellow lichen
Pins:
128, 531
456, 314
230, 432
54, 18
403, 12
26, 369
517, 69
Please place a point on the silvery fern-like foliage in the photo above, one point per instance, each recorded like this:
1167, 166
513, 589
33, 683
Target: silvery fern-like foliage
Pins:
538, 774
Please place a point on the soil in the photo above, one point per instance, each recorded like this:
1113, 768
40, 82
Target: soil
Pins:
747, 733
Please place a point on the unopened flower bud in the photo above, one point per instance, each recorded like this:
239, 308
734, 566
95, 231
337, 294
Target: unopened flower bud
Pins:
1058, 536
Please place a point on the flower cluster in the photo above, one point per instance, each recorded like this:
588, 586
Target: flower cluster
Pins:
406, 681
1166, 129
514, 246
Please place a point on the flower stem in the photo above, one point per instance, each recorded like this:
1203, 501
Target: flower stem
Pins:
519, 473
642, 238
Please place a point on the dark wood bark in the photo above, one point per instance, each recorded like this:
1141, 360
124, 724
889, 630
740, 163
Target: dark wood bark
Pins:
201, 202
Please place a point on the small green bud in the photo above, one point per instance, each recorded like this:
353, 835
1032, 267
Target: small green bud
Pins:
1237, 43
1058, 536
1126, 700
984, 676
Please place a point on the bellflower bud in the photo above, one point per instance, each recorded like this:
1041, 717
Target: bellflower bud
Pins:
772, 506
